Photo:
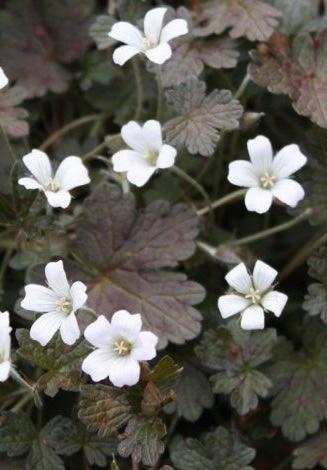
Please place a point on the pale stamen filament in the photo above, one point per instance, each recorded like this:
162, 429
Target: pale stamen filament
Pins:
64, 305
122, 347
267, 180
254, 295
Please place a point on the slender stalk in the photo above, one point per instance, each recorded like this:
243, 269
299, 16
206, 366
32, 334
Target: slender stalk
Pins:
8, 144
271, 231
72, 125
246, 80
135, 465
160, 94
182, 174
92, 153
231, 197
139, 89
31, 388
91, 311
4, 265
21, 403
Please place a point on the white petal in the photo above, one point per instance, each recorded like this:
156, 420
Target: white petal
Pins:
4, 320
58, 199
144, 348
3, 79
124, 160
78, 294
124, 371
258, 200
288, 191
263, 276
231, 304
97, 364
126, 325
159, 54
140, 176
4, 370
132, 134
123, 53
39, 165
274, 301
288, 160
99, 333
239, 279
39, 299
241, 173
153, 23
72, 173
253, 318
69, 329
29, 183
173, 29
45, 327
166, 157
57, 279
127, 33
261, 153
152, 134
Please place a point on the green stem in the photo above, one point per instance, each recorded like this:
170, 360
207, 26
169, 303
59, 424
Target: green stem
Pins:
4, 265
21, 403
246, 80
139, 89
235, 195
91, 311
271, 231
31, 388
160, 94
8, 144
95, 151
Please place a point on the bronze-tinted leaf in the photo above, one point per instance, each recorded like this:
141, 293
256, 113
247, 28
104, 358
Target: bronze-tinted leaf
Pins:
13, 118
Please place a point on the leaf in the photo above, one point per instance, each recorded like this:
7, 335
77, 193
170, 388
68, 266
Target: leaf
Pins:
311, 453
142, 440
296, 14
99, 31
315, 302
62, 363
12, 118
103, 409
16, 433
296, 68
164, 374
42, 29
254, 19
124, 251
201, 116
237, 356
218, 450
300, 384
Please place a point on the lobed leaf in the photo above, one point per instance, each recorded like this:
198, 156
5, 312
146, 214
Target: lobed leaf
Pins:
16, 433
13, 118
312, 453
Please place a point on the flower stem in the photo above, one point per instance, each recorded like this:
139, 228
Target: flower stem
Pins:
139, 89
95, 151
4, 265
234, 196
160, 94
31, 388
271, 231
239, 92
91, 311
8, 144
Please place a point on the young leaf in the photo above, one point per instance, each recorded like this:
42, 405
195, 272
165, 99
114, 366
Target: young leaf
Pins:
237, 356
201, 116
123, 251
16, 433
164, 374
312, 453
315, 302
12, 118
218, 450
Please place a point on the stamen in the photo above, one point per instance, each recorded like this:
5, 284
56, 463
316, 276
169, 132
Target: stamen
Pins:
64, 305
254, 295
52, 185
150, 42
122, 347
267, 181
152, 157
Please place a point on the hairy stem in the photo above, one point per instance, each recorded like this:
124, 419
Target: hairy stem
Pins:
182, 174
31, 388
160, 94
243, 86
231, 197
8, 144
94, 152
139, 89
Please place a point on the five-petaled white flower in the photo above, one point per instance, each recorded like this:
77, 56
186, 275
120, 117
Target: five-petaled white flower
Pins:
153, 43
58, 303
3, 79
70, 174
147, 153
252, 295
120, 346
5, 330
268, 176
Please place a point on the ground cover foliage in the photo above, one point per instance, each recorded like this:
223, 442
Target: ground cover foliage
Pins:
216, 396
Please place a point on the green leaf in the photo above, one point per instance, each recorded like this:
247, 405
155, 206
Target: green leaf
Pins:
132, 11
142, 440
16, 433
300, 384
296, 13
62, 362
164, 374
218, 450
311, 453
99, 31
42, 457
238, 356
12, 118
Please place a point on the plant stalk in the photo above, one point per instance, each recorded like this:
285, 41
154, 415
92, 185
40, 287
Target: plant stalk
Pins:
234, 196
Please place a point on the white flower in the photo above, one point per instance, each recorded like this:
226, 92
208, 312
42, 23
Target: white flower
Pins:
148, 153
268, 177
70, 174
153, 42
58, 303
252, 295
5, 330
120, 346
3, 79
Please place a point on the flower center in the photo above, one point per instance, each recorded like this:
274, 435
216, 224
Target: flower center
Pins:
254, 295
152, 157
150, 42
64, 305
122, 347
267, 181
52, 185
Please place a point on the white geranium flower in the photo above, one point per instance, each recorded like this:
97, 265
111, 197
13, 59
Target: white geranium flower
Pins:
268, 176
58, 303
147, 153
120, 346
153, 42
70, 174
252, 295
3, 79
5, 342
